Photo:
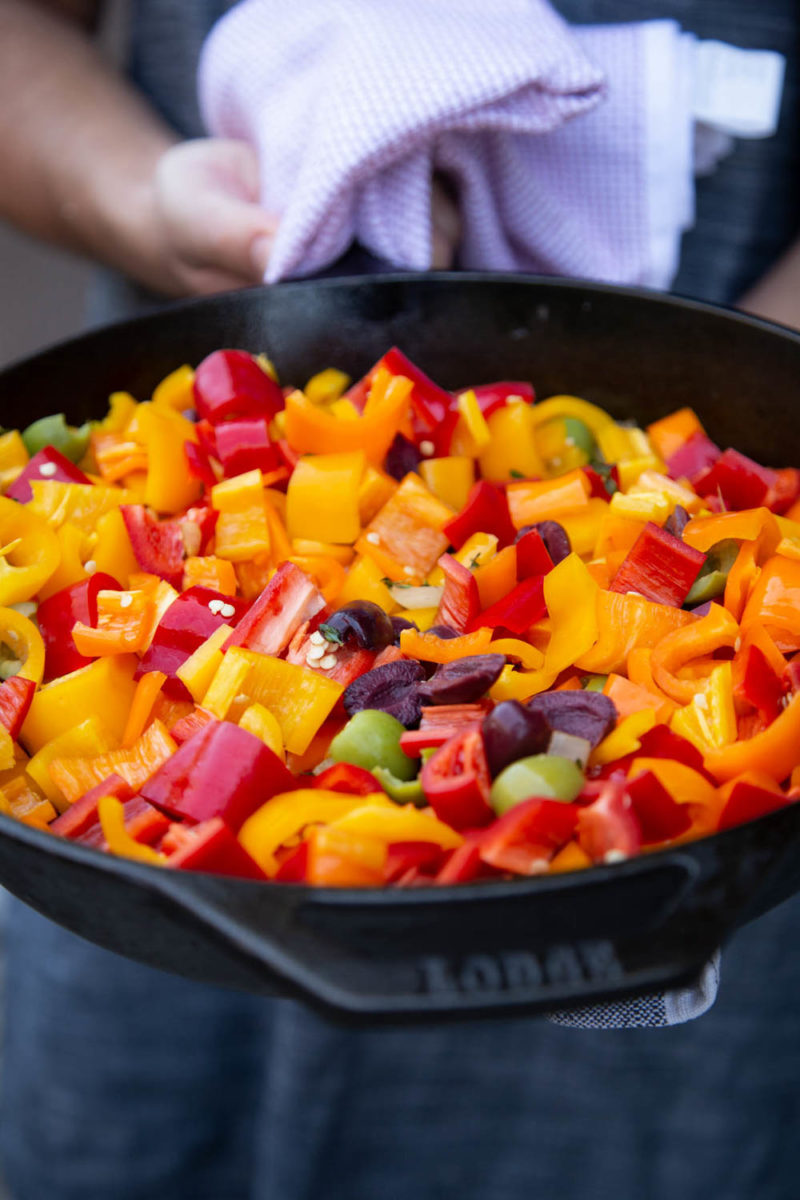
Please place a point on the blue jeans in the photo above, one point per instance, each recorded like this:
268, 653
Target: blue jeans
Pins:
122, 1083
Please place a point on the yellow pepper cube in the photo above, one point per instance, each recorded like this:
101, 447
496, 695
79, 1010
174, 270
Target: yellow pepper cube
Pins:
449, 478
82, 504
376, 489
30, 552
365, 582
12, 451
176, 390
642, 506
105, 686
170, 485
618, 443
264, 725
326, 386
322, 500
512, 451
242, 529
90, 737
200, 667
477, 550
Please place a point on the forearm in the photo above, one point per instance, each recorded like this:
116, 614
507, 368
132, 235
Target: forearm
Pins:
777, 295
78, 147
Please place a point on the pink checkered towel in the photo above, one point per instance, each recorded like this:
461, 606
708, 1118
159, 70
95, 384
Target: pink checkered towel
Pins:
570, 149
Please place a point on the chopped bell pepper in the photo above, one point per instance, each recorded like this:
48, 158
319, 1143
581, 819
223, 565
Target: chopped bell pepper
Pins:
231, 383
485, 511
323, 498
659, 567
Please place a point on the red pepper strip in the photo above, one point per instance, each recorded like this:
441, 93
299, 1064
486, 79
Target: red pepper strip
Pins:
211, 847
608, 828
440, 723
189, 725
522, 607
188, 622
82, 815
602, 487
230, 383
199, 464
402, 857
57, 616
660, 816
223, 771
465, 863
527, 837
456, 782
197, 527
460, 603
785, 490
747, 798
659, 567
693, 458
740, 481
289, 599
294, 866
345, 777
46, 464
158, 546
143, 823
532, 556
245, 445
430, 403
491, 396
759, 684
16, 694
206, 438
486, 511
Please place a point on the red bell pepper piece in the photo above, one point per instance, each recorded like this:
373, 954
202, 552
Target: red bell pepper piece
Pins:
659, 567
528, 835
456, 781
346, 777
57, 615
245, 445
608, 828
491, 396
82, 815
440, 723
197, 527
747, 801
760, 684
188, 622
47, 463
16, 694
660, 816
464, 864
532, 556
430, 403
602, 485
199, 464
294, 865
158, 546
187, 726
289, 599
460, 603
403, 857
211, 847
230, 383
223, 771
486, 511
520, 608
741, 482
785, 490
697, 454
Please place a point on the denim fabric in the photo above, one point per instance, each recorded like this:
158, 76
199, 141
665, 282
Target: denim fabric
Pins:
122, 1083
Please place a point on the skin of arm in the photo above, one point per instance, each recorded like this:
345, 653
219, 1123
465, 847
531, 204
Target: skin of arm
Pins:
776, 296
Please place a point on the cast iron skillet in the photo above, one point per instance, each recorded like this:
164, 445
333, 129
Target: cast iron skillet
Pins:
492, 948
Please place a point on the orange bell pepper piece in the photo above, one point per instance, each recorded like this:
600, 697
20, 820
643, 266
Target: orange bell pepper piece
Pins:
405, 536
685, 786
340, 858
75, 776
671, 432
624, 623
640, 671
124, 620
147, 689
774, 603
210, 572
712, 632
548, 499
629, 697
704, 532
497, 577
774, 751
430, 648
311, 429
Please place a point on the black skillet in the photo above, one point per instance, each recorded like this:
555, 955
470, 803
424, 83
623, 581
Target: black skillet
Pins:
493, 948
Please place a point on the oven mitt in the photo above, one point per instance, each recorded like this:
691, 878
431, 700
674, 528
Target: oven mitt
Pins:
648, 1012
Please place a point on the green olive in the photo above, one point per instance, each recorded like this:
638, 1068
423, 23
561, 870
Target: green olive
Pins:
713, 576
54, 431
370, 739
545, 776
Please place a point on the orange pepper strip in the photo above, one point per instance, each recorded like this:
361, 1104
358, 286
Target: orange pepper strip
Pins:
774, 602
709, 633
310, 429
640, 671
430, 648
756, 635
75, 776
626, 622
147, 689
741, 578
328, 574
774, 751
629, 697
497, 577
704, 532
532, 502
123, 623
685, 786
211, 572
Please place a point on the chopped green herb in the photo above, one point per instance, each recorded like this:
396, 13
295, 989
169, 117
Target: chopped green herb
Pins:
331, 635
516, 474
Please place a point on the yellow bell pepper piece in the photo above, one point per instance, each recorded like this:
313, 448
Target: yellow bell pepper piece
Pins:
242, 529
397, 823
135, 764
449, 478
286, 815
596, 419
121, 409
709, 720
82, 504
13, 455
643, 506
655, 481
264, 725
112, 551
583, 525
365, 582
104, 686
618, 443
625, 739
472, 434
22, 800
631, 470
477, 550
375, 490
423, 618
176, 390
30, 552
322, 499
89, 737
7, 756
512, 450
308, 548
111, 812
526, 654
326, 386
74, 546
200, 667
24, 641
170, 486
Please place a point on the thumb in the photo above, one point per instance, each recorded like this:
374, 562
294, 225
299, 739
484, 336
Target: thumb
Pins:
207, 196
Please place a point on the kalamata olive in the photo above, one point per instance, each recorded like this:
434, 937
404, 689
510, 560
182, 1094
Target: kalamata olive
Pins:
555, 538
392, 688
462, 681
401, 457
364, 622
444, 631
398, 625
677, 521
589, 715
511, 731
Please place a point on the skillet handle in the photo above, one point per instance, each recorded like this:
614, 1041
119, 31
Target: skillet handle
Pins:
477, 954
